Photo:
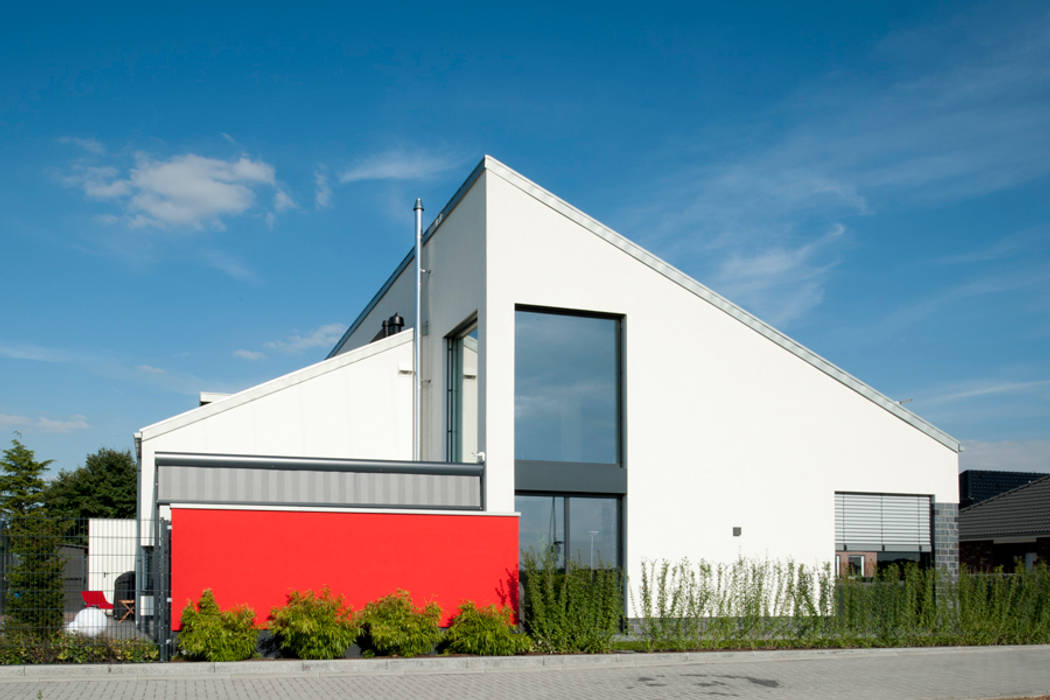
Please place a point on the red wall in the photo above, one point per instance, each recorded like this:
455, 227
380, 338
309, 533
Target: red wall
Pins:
257, 557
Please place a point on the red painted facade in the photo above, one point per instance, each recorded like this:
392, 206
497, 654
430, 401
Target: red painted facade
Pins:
256, 557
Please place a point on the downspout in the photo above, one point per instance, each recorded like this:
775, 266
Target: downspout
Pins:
417, 340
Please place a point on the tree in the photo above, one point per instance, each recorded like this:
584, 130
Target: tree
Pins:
22, 481
103, 488
35, 594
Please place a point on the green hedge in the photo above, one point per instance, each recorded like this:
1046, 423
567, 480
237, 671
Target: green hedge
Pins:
760, 604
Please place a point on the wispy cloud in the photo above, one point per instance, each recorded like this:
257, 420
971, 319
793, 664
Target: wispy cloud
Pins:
230, 265
988, 388
399, 164
1020, 455
148, 369
955, 113
249, 354
43, 424
186, 191
92, 146
21, 351
323, 196
321, 337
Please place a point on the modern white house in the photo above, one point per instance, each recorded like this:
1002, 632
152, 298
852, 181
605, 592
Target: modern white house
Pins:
576, 394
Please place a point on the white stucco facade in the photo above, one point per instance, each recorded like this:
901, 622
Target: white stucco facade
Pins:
726, 423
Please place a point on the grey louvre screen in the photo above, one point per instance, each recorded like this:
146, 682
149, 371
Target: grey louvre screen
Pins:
878, 522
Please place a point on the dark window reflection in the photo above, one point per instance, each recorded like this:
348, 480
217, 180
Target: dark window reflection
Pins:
593, 529
566, 403
593, 532
541, 528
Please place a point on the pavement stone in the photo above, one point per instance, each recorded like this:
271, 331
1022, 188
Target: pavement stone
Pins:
961, 672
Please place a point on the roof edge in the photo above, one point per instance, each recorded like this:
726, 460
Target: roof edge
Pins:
272, 386
407, 260
998, 496
717, 300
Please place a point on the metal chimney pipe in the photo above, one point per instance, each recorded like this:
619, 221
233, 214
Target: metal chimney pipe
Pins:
417, 340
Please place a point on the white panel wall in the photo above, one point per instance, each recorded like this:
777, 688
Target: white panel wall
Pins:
723, 427
355, 405
111, 552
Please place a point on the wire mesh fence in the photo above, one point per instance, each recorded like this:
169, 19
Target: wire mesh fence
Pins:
81, 589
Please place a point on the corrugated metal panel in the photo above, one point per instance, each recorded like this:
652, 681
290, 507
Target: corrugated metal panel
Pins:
882, 522
189, 484
1023, 512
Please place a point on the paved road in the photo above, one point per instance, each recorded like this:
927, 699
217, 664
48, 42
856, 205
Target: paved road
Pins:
993, 672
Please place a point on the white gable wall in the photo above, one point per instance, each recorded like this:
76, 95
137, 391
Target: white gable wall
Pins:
723, 427
356, 405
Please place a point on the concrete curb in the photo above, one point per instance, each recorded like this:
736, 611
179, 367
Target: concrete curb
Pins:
455, 664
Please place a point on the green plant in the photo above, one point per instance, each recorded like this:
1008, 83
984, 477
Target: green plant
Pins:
209, 634
314, 626
74, 649
393, 626
485, 631
568, 611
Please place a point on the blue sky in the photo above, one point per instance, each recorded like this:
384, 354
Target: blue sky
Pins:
199, 199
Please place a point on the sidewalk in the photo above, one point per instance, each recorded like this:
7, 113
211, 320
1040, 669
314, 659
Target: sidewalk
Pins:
960, 672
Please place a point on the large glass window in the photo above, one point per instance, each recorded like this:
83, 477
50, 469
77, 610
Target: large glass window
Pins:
566, 398
586, 528
463, 395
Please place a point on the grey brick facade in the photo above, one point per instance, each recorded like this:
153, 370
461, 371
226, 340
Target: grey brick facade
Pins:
946, 537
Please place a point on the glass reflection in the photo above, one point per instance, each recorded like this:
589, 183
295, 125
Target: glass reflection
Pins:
593, 532
541, 528
566, 403
464, 398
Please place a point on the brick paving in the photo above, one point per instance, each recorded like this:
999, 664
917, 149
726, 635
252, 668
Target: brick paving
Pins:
990, 672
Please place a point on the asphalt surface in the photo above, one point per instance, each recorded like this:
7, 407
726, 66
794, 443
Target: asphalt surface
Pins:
964, 672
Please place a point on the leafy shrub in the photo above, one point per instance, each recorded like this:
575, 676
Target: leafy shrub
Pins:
394, 626
568, 611
74, 649
209, 634
486, 631
314, 626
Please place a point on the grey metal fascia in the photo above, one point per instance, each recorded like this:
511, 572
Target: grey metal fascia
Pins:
407, 260
323, 464
718, 301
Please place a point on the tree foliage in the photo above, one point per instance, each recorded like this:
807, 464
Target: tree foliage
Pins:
35, 593
103, 488
22, 481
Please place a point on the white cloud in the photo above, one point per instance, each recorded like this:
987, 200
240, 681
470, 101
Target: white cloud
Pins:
282, 201
399, 164
185, 191
323, 336
151, 370
955, 114
978, 389
45, 425
17, 351
92, 146
249, 354
1020, 455
323, 197
230, 265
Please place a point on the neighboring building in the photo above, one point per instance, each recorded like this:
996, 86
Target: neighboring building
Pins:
976, 485
578, 394
1008, 529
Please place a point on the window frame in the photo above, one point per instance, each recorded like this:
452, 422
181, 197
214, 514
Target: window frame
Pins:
453, 388
597, 478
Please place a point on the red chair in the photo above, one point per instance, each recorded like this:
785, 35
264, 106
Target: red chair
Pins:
96, 599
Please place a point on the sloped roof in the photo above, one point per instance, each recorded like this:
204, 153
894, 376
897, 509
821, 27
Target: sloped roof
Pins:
1023, 511
491, 165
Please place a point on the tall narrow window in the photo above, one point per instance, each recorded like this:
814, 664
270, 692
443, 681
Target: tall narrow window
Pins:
566, 387
463, 395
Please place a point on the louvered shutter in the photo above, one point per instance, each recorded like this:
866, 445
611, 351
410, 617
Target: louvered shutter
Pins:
877, 522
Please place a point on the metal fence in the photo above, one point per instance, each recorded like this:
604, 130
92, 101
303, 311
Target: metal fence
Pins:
85, 578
